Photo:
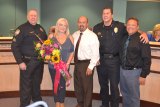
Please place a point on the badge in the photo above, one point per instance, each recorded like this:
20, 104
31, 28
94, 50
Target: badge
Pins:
16, 32
115, 30
99, 34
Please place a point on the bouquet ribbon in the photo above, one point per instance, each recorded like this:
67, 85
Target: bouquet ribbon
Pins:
61, 66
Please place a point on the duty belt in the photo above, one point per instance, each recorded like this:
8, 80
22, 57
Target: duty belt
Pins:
28, 57
110, 56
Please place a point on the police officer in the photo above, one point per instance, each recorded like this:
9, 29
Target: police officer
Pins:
31, 68
110, 34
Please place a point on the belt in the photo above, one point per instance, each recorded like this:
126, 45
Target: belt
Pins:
87, 60
28, 57
130, 68
110, 55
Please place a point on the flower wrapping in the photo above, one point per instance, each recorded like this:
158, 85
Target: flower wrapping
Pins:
61, 69
50, 51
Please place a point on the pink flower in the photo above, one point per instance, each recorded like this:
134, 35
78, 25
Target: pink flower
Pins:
55, 45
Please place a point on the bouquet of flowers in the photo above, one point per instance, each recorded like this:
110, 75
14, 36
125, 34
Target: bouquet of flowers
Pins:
50, 51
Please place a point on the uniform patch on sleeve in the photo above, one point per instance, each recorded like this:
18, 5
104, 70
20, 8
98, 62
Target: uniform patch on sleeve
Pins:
17, 32
14, 39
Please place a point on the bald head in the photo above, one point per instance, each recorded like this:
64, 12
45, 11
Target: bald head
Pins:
82, 23
32, 16
83, 18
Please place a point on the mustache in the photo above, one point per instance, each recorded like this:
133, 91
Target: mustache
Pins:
81, 26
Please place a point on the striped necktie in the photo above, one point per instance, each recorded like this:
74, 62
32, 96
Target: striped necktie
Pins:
76, 48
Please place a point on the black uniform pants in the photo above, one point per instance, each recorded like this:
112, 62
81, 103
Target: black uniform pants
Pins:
30, 80
83, 85
109, 72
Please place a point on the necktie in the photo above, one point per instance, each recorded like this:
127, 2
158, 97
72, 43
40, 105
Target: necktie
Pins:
125, 51
76, 48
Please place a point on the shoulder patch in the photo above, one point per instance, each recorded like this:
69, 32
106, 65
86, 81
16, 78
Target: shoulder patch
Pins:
17, 32
14, 39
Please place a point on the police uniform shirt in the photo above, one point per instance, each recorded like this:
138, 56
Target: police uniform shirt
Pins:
23, 41
138, 54
110, 36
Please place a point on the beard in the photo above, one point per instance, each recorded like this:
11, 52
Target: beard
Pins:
81, 28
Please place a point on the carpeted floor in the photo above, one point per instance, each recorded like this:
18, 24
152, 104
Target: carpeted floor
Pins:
69, 102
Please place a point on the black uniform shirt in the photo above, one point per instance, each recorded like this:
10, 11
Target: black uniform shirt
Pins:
110, 36
23, 41
138, 54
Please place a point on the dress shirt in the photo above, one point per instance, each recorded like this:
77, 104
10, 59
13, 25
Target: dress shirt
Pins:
138, 54
88, 47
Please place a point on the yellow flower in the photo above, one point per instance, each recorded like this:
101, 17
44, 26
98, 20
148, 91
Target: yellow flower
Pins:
38, 45
55, 58
47, 57
42, 52
47, 42
56, 52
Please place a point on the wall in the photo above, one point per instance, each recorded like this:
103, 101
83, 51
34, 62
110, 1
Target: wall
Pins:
13, 13
51, 10
35, 4
146, 12
9, 75
119, 10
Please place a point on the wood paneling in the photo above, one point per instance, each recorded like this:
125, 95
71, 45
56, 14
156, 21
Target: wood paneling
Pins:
9, 78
